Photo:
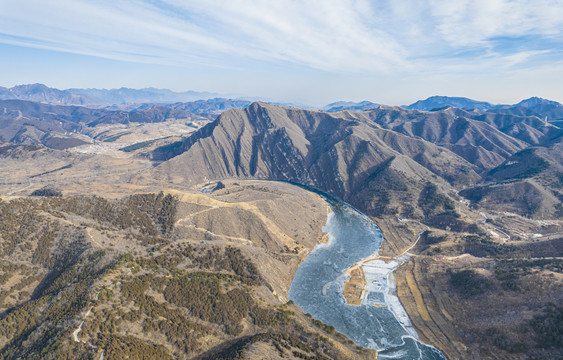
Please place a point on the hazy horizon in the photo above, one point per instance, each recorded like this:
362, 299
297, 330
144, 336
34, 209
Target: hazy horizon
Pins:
213, 95
308, 52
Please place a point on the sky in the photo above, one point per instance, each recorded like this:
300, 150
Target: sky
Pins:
314, 52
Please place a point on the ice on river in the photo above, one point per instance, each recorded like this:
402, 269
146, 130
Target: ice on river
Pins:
319, 281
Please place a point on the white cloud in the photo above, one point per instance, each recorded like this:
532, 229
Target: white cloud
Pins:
470, 22
332, 35
323, 34
327, 35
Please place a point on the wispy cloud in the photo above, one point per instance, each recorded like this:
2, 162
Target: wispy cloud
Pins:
330, 35
473, 22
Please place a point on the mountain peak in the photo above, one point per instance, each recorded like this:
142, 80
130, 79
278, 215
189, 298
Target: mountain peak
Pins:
350, 105
42, 93
437, 102
534, 101
34, 88
260, 104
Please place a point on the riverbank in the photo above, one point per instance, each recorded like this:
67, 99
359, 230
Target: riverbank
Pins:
378, 322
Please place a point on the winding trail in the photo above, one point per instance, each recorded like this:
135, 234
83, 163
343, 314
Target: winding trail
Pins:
79, 328
494, 228
22, 189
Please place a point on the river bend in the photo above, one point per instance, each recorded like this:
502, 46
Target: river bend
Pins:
381, 322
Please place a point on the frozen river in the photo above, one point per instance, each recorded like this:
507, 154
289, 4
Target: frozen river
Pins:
380, 323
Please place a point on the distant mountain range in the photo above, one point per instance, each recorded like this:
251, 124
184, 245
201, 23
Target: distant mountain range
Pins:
533, 106
98, 97
60, 127
437, 102
212, 104
138, 96
350, 105
209, 108
44, 94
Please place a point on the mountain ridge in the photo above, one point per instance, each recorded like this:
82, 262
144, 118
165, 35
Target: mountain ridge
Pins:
42, 93
349, 105
126, 95
334, 152
434, 102
342, 153
32, 123
127, 99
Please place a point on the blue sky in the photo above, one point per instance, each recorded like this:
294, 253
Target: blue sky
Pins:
391, 52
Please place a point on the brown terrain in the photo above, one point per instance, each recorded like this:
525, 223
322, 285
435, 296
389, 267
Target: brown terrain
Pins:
354, 287
385, 162
147, 214
239, 236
